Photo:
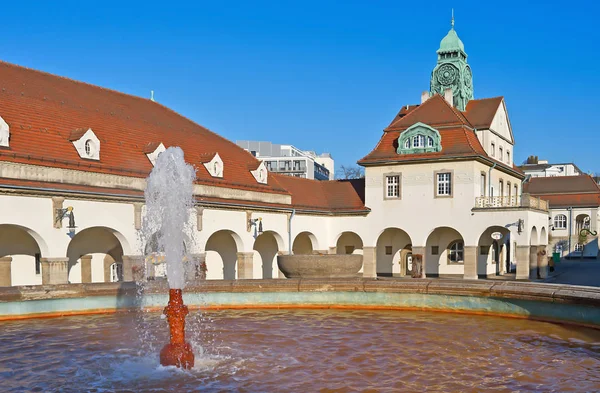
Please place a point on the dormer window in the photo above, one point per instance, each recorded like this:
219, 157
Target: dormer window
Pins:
419, 138
213, 164
4, 133
153, 150
86, 143
260, 173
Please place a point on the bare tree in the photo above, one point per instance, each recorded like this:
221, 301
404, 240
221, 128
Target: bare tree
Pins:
350, 172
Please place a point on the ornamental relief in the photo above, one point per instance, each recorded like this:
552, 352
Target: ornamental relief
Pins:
447, 74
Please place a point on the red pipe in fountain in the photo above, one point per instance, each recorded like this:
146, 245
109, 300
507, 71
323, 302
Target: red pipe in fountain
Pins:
178, 352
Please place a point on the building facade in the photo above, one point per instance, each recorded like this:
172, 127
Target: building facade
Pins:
541, 168
291, 161
440, 183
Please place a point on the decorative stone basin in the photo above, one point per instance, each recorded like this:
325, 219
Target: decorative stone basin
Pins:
320, 265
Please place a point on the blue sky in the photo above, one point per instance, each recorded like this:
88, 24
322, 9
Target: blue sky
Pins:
326, 75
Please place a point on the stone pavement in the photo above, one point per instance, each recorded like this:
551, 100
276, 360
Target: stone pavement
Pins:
576, 272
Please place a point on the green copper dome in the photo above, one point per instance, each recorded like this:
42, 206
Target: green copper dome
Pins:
451, 42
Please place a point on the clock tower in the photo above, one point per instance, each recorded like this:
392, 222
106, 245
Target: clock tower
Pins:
452, 70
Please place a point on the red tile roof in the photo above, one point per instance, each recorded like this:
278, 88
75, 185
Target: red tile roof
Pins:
45, 112
457, 133
565, 191
329, 195
481, 112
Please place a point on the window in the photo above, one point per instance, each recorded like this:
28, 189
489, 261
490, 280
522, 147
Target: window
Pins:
89, 148
392, 186
501, 189
429, 141
516, 191
493, 151
444, 184
388, 250
418, 141
253, 152
482, 185
407, 144
578, 247
435, 250
508, 156
38, 263
500, 153
560, 221
456, 252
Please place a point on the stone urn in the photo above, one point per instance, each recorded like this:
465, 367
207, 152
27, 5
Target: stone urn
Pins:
320, 265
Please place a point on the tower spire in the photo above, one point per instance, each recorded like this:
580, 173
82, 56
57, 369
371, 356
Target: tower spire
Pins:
452, 22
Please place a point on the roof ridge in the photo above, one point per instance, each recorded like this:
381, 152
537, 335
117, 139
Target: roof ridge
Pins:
66, 78
486, 98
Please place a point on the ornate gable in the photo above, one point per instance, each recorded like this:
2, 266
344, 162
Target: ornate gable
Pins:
419, 138
86, 143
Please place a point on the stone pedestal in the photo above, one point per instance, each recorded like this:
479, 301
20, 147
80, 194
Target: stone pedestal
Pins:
55, 271
5, 272
470, 263
133, 268
369, 261
422, 251
522, 256
86, 269
245, 265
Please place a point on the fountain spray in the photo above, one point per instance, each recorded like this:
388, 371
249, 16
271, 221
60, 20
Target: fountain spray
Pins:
169, 199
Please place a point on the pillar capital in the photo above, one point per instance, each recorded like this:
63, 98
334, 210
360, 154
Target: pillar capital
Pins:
55, 271
5, 272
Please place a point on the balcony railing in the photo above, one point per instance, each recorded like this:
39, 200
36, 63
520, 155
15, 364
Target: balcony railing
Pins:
524, 200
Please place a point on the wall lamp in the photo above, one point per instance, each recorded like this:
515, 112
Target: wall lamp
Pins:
519, 224
257, 224
67, 212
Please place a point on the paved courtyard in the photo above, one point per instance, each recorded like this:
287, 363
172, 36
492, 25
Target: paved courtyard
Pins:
576, 272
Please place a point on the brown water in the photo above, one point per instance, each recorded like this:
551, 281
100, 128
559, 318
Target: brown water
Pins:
301, 351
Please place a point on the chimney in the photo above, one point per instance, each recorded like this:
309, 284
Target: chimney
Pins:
424, 96
448, 96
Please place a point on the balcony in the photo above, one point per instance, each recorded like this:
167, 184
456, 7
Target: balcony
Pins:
525, 200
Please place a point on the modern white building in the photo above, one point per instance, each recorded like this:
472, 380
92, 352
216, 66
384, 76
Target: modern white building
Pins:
289, 160
440, 183
541, 168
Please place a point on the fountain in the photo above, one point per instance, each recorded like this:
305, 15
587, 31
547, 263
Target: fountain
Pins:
169, 198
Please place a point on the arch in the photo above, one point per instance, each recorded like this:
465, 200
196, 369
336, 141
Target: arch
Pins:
543, 237
25, 247
392, 247
582, 221
492, 254
439, 260
266, 246
533, 237
305, 243
221, 255
98, 242
348, 243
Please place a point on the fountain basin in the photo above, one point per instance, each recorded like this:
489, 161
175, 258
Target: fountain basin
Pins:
320, 265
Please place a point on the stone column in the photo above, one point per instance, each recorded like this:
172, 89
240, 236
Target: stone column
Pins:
369, 261
502, 260
470, 261
194, 270
533, 264
333, 250
108, 261
543, 262
423, 252
522, 255
245, 265
133, 268
5, 272
86, 268
55, 271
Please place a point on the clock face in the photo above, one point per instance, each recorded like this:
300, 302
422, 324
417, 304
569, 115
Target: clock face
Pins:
468, 77
447, 74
